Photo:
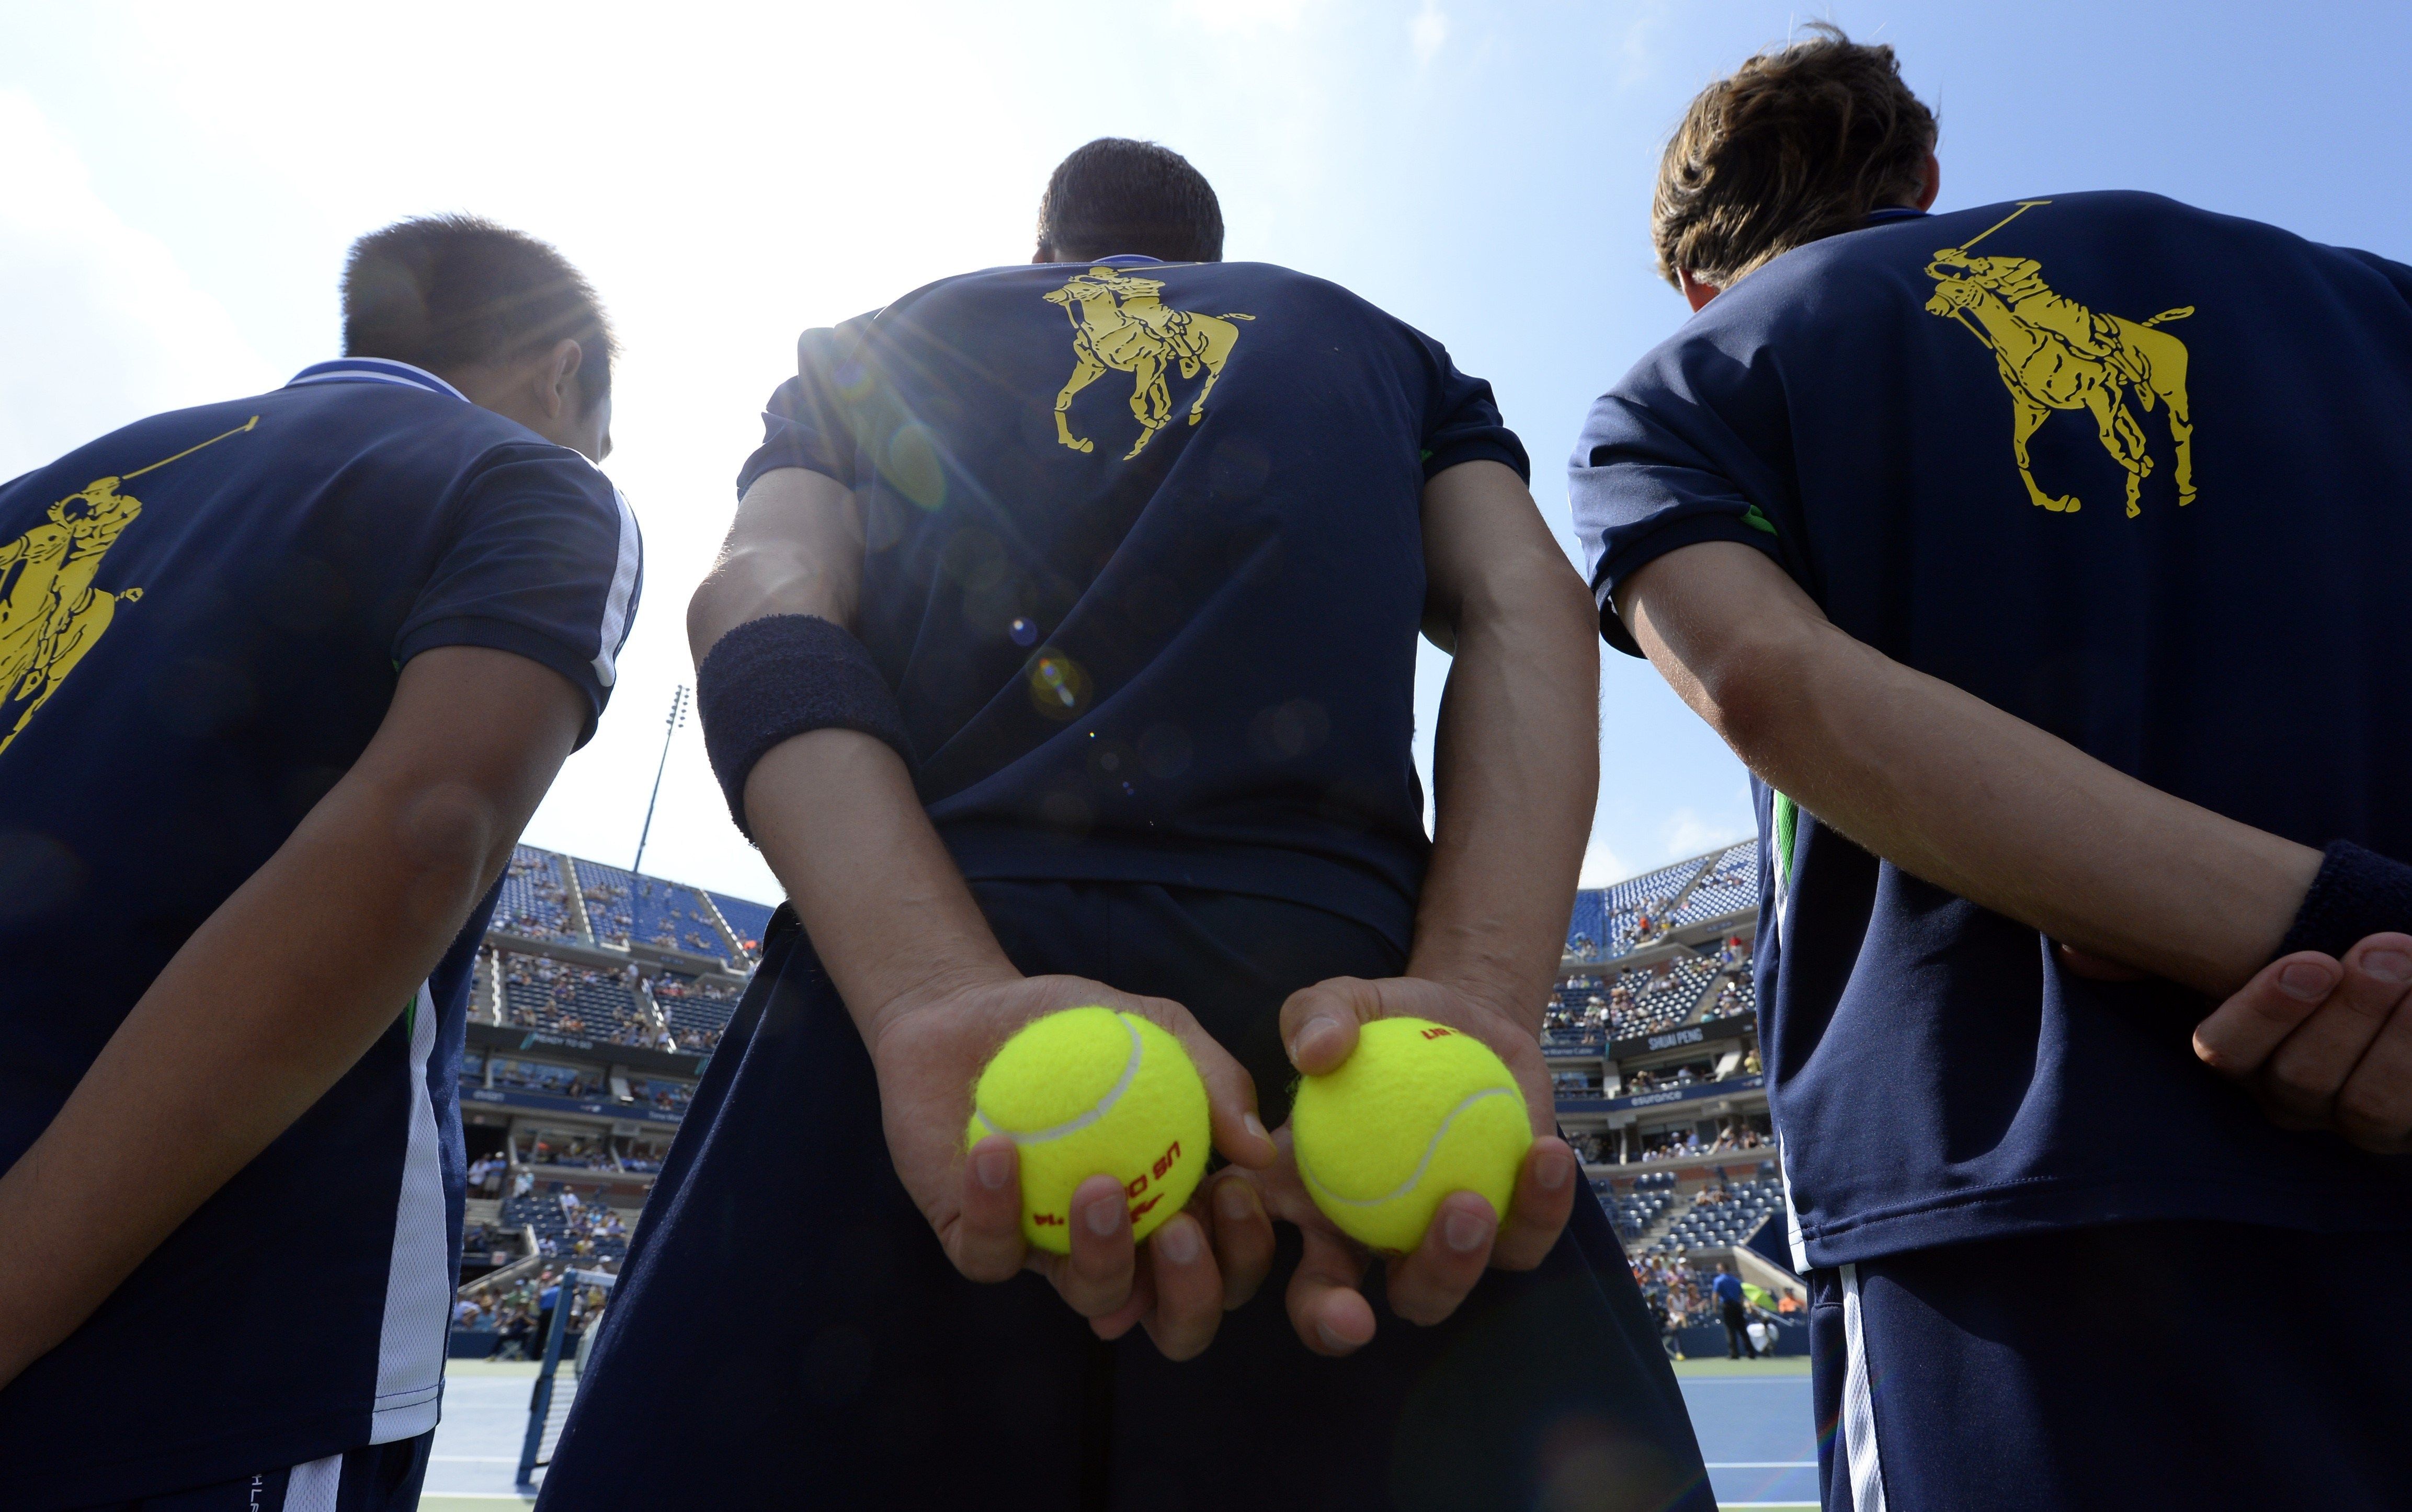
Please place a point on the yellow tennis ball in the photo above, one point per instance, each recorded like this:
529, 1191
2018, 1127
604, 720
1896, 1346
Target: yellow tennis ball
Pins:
1090, 1092
1418, 1110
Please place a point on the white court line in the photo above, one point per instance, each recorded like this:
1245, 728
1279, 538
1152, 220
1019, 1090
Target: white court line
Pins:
473, 1459
1762, 1464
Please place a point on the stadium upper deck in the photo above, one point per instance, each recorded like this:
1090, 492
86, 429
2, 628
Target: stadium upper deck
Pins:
1652, 1031
598, 997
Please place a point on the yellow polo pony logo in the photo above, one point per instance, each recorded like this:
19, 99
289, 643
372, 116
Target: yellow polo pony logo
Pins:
1121, 324
50, 615
2053, 353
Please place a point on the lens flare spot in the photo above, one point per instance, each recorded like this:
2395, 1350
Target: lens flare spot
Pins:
1059, 686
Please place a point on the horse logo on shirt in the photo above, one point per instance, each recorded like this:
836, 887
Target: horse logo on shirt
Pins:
2053, 354
50, 615
1121, 324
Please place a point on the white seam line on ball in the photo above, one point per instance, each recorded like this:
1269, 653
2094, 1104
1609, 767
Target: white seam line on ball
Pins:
1105, 1103
1430, 1150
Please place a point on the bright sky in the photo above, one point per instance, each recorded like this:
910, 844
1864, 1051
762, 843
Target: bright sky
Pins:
178, 184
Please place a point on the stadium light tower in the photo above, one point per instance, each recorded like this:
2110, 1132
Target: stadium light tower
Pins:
677, 717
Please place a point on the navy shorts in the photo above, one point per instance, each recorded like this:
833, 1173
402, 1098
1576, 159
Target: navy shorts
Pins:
2198, 1365
378, 1477
787, 1331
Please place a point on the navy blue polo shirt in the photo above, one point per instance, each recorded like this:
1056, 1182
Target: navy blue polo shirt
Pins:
202, 618
2135, 473
1145, 565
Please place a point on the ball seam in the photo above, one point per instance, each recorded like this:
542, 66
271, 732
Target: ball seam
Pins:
1105, 1105
1431, 1148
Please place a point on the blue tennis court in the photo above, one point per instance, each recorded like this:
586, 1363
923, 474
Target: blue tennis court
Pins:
1757, 1431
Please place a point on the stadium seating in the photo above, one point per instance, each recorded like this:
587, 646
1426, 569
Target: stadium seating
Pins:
749, 921
558, 1231
1738, 992
1725, 1214
626, 908
1633, 1212
1667, 1001
610, 908
1729, 885
527, 1076
539, 993
696, 1011
1588, 929
534, 902
1609, 922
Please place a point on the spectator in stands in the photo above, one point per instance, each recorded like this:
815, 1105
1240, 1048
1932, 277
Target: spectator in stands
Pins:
1421, 478
379, 605
1941, 662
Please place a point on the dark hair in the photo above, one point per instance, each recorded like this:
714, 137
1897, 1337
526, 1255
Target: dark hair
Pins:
1801, 143
447, 291
1117, 195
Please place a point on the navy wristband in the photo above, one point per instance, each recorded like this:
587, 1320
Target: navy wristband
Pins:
770, 679
2357, 894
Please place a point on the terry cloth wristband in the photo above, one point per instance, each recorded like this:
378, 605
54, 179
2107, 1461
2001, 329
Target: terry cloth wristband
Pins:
770, 679
2357, 893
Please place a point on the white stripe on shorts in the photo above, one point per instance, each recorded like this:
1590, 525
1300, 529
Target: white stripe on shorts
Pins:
1859, 1406
312, 1488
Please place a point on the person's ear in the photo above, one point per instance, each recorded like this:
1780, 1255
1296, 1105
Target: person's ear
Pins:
556, 378
1697, 293
1044, 254
1934, 183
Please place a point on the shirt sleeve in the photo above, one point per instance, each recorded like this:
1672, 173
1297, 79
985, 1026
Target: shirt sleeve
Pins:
809, 423
1461, 421
1687, 448
545, 562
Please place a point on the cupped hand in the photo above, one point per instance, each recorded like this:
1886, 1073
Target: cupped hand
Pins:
1327, 1306
2323, 1044
928, 1051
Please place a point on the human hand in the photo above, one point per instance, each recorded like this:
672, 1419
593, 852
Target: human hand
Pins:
1466, 1237
928, 1050
2323, 1044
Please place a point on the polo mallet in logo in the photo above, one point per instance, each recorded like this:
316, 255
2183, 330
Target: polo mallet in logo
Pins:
1962, 316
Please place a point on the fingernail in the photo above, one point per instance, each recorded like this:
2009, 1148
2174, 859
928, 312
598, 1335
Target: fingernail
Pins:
1104, 1217
1331, 1340
1465, 1233
994, 1168
2304, 982
2388, 965
1309, 1036
1178, 1241
1233, 1202
1257, 1126
1555, 1168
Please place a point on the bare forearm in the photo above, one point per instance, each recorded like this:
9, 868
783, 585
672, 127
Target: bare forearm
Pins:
1515, 758
1985, 805
838, 818
834, 811
251, 1022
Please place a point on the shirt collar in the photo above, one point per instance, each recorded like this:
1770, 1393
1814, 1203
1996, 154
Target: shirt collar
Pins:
374, 369
1120, 259
1892, 212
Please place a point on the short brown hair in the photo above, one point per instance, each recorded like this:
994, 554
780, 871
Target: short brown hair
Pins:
1802, 142
445, 291
1117, 195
